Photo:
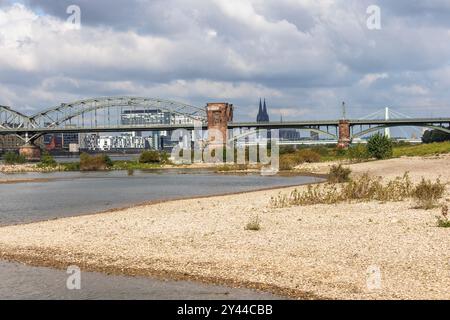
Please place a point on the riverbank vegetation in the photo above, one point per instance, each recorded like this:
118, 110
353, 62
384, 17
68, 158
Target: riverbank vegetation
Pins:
364, 188
99, 162
13, 158
378, 147
102, 162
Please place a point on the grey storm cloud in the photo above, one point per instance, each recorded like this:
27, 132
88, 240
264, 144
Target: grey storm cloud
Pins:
302, 55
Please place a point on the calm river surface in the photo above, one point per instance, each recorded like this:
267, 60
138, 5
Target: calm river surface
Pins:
73, 193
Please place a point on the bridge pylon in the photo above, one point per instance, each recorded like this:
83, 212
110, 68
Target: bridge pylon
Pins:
30, 150
218, 115
344, 134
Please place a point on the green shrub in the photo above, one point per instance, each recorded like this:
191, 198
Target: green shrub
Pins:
379, 146
150, 156
47, 160
357, 153
109, 163
339, 174
165, 157
13, 158
426, 193
443, 221
93, 163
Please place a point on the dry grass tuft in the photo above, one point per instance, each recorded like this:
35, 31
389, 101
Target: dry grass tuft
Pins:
254, 224
364, 188
443, 221
426, 193
339, 174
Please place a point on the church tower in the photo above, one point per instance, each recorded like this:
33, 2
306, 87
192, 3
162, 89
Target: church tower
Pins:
262, 116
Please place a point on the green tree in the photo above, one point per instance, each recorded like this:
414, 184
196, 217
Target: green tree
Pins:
379, 147
431, 136
47, 160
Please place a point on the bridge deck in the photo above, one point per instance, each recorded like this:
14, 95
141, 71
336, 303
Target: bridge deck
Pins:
231, 125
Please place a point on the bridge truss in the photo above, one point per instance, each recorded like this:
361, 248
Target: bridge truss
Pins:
108, 114
118, 114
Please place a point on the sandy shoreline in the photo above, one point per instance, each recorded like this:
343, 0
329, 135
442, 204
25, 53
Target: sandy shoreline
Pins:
321, 251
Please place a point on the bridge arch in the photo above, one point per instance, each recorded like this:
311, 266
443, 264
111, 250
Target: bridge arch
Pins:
377, 128
110, 106
12, 119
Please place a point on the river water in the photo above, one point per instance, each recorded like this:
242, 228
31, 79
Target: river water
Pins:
73, 193
65, 194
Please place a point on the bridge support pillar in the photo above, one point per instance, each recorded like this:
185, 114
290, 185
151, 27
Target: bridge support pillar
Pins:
218, 115
344, 134
30, 151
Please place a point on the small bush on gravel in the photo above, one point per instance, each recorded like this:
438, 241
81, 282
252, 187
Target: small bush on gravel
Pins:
357, 153
94, 163
426, 193
150, 156
254, 224
153, 156
339, 174
443, 221
47, 160
13, 158
287, 162
379, 147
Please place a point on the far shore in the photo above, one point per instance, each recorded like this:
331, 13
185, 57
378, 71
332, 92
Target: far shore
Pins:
305, 252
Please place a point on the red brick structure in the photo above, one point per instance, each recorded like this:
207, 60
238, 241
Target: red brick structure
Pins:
219, 114
344, 134
31, 152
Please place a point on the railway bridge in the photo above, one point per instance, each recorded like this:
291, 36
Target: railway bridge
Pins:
109, 114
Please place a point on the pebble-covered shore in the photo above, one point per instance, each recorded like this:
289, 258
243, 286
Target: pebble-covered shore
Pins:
320, 251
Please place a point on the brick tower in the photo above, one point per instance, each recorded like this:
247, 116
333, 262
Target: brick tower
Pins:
219, 114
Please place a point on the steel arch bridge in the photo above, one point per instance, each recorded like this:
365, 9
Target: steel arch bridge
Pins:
100, 114
109, 114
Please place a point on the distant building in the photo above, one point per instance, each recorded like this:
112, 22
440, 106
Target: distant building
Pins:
60, 141
89, 141
158, 139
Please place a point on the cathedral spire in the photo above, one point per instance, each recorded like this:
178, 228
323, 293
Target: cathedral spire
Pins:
260, 112
265, 114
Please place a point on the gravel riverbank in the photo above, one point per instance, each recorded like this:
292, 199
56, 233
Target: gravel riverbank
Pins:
320, 251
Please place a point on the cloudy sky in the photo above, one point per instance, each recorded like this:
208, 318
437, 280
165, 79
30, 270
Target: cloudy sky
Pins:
304, 56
